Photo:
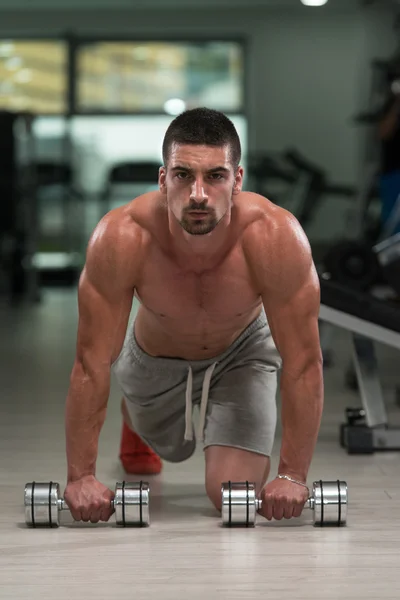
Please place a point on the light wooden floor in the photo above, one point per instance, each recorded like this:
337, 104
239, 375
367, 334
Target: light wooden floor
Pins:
185, 553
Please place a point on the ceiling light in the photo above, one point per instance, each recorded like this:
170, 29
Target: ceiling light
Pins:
175, 106
313, 2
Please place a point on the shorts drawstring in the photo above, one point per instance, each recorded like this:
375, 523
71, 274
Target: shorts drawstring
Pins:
203, 403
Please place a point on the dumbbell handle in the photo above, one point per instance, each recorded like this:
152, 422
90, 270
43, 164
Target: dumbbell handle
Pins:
62, 505
309, 504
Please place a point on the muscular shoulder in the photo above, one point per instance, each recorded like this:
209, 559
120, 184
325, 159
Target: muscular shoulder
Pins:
127, 229
265, 222
255, 210
116, 233
115, 250
275, 245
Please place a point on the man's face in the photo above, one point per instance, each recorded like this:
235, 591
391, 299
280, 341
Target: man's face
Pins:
199, 182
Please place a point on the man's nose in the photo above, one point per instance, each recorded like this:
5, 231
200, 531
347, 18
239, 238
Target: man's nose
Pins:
198, 191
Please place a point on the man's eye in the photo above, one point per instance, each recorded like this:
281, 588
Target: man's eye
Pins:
216, 176
181, 175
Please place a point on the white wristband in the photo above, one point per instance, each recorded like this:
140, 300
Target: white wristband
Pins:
292, 480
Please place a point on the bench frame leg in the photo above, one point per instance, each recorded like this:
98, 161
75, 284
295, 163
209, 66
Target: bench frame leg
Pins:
367, 430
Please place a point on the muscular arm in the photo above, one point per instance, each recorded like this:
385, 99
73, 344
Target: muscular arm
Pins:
105, 298
290, 292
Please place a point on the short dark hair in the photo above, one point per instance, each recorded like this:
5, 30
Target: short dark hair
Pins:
203, 126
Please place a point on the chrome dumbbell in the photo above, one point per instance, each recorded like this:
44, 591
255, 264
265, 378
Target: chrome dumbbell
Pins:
43, 504
328, 501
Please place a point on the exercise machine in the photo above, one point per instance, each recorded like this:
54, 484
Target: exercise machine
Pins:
18, 277
368, 320
60, 239
292, 181
128, 180
352, 260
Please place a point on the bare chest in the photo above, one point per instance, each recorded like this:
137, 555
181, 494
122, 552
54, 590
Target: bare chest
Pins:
216, 295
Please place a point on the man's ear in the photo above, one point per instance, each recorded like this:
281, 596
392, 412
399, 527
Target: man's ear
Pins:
162, 176
237, 186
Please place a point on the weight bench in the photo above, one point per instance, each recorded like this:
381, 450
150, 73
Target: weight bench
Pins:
369, 320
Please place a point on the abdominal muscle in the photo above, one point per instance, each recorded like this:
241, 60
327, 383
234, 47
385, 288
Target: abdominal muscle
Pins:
188, 338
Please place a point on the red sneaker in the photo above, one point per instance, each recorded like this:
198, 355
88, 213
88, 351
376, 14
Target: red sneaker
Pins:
136, 457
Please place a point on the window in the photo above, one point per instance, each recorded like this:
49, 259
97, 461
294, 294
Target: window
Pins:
159, 77
33, 76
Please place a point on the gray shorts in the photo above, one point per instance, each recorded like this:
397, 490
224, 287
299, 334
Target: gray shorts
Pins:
235, 393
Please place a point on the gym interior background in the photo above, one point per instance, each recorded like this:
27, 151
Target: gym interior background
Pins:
87, 90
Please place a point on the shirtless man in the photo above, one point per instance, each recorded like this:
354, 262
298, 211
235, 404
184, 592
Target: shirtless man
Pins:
229, 295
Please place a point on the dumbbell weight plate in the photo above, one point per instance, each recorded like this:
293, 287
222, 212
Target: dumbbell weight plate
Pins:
330, 503
353, 264
239, 504
41, 502
131, 504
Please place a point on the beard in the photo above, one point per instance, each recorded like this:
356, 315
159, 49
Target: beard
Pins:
200, 226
